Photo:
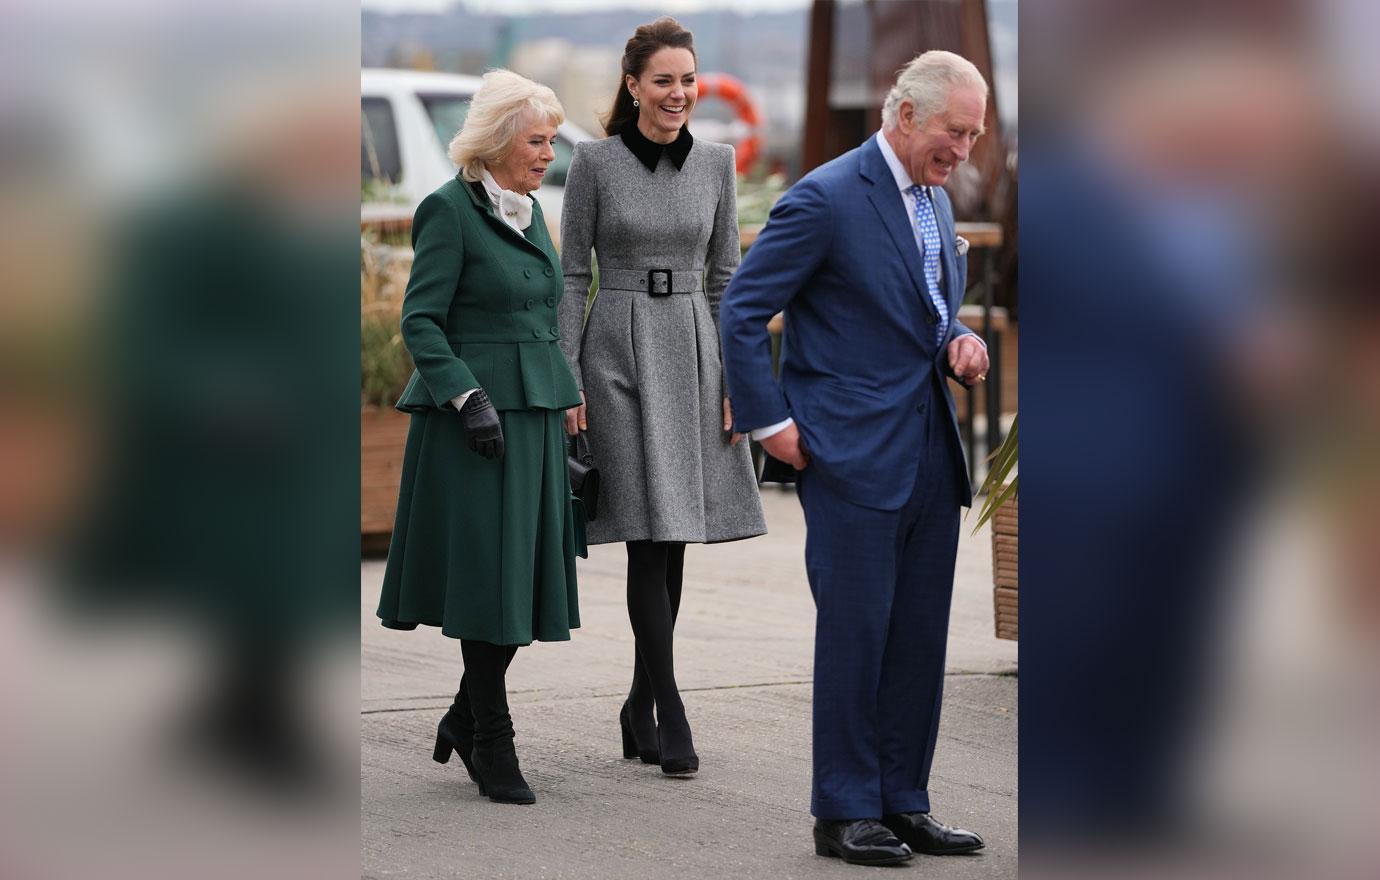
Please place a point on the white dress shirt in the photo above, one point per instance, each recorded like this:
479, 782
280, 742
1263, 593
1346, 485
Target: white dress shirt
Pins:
904, 183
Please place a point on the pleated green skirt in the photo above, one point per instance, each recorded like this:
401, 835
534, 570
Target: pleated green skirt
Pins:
485, 549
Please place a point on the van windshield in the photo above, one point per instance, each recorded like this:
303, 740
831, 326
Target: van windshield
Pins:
447, 114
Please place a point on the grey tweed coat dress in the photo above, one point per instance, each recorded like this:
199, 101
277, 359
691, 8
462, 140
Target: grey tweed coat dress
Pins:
649, 364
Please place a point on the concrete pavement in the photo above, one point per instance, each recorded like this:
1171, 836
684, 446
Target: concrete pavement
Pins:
743, 660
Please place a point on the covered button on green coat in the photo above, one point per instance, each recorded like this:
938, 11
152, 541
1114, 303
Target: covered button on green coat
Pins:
484, 549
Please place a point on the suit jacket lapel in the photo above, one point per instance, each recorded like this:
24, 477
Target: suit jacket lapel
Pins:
947, 256
886, 199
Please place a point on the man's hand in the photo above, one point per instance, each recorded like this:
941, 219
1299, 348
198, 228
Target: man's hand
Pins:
734, 436
480, 420
575, 418
786, 445
968, 359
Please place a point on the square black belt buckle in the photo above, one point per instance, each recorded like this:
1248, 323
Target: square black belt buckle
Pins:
659, 286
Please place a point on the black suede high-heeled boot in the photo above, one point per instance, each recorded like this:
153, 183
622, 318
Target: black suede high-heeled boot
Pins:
455, 732
494, 758
500, 778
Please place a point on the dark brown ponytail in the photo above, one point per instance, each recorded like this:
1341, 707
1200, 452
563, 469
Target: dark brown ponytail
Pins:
645, 42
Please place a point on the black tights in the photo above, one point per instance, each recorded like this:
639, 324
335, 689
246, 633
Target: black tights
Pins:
655, 574
481, 704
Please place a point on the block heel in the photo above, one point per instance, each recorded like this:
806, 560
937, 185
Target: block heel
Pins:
449, 740
631, 747
441, 754
629, 741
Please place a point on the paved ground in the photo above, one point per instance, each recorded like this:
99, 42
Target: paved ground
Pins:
743, 650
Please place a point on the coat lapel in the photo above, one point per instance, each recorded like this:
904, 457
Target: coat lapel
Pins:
537, 234
531, 238
886, 199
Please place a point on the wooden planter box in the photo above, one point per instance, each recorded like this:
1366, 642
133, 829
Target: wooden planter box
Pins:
382, 437
1005, 554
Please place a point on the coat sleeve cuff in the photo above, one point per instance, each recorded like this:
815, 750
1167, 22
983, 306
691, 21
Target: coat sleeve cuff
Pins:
459, 400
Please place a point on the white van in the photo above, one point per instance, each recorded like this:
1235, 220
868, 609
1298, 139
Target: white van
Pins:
407, 119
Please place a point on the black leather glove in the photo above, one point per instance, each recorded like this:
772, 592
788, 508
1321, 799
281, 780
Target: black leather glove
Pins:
481, 424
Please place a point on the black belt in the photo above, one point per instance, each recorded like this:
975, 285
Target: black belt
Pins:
654, 282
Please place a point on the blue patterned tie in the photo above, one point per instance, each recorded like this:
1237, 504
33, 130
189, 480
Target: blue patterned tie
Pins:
929, 234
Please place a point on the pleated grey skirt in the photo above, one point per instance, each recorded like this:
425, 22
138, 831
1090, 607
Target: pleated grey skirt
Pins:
654, 387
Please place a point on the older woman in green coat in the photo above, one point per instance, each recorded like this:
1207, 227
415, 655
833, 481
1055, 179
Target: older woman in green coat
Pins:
487, 531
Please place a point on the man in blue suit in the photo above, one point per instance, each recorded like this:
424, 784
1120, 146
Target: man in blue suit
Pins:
862, 257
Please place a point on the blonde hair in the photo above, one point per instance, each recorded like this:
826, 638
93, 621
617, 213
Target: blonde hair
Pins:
495, 112
927, 81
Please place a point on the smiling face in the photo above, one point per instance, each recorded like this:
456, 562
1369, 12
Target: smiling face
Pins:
666, 92
932, 148
523, 167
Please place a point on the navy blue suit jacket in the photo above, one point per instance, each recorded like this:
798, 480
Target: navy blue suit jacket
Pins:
860, 363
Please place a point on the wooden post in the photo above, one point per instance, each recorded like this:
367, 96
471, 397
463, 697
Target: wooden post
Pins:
819, 65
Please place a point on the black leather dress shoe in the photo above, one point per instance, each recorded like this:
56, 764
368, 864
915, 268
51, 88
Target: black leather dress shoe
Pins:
925, 834
859, 842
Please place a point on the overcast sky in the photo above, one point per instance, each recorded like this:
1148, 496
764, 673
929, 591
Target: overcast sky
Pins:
521, 6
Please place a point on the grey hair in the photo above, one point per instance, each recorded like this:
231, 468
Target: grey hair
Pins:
927, 81
495, 112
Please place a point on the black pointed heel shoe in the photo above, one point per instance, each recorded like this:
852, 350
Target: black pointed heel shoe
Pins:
450, 740
498, 776
631, 747
681, 763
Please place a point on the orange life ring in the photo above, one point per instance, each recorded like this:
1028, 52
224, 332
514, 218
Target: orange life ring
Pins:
730, 89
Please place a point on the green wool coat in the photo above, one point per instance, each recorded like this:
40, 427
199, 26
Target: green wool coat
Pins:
484, 549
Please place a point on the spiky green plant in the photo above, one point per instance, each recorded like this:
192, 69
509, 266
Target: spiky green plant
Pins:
996, 488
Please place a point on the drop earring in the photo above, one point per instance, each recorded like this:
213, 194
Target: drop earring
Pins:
635, 103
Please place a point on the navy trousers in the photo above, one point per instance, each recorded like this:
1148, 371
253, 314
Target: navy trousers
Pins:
882, 583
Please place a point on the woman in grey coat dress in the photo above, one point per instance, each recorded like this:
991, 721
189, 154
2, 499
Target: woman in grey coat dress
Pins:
659, 211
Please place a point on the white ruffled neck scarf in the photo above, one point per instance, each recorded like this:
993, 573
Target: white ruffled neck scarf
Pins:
513, 209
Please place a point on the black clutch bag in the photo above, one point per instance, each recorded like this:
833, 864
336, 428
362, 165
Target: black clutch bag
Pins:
584, 476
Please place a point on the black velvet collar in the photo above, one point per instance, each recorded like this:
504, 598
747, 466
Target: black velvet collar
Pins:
648, 152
